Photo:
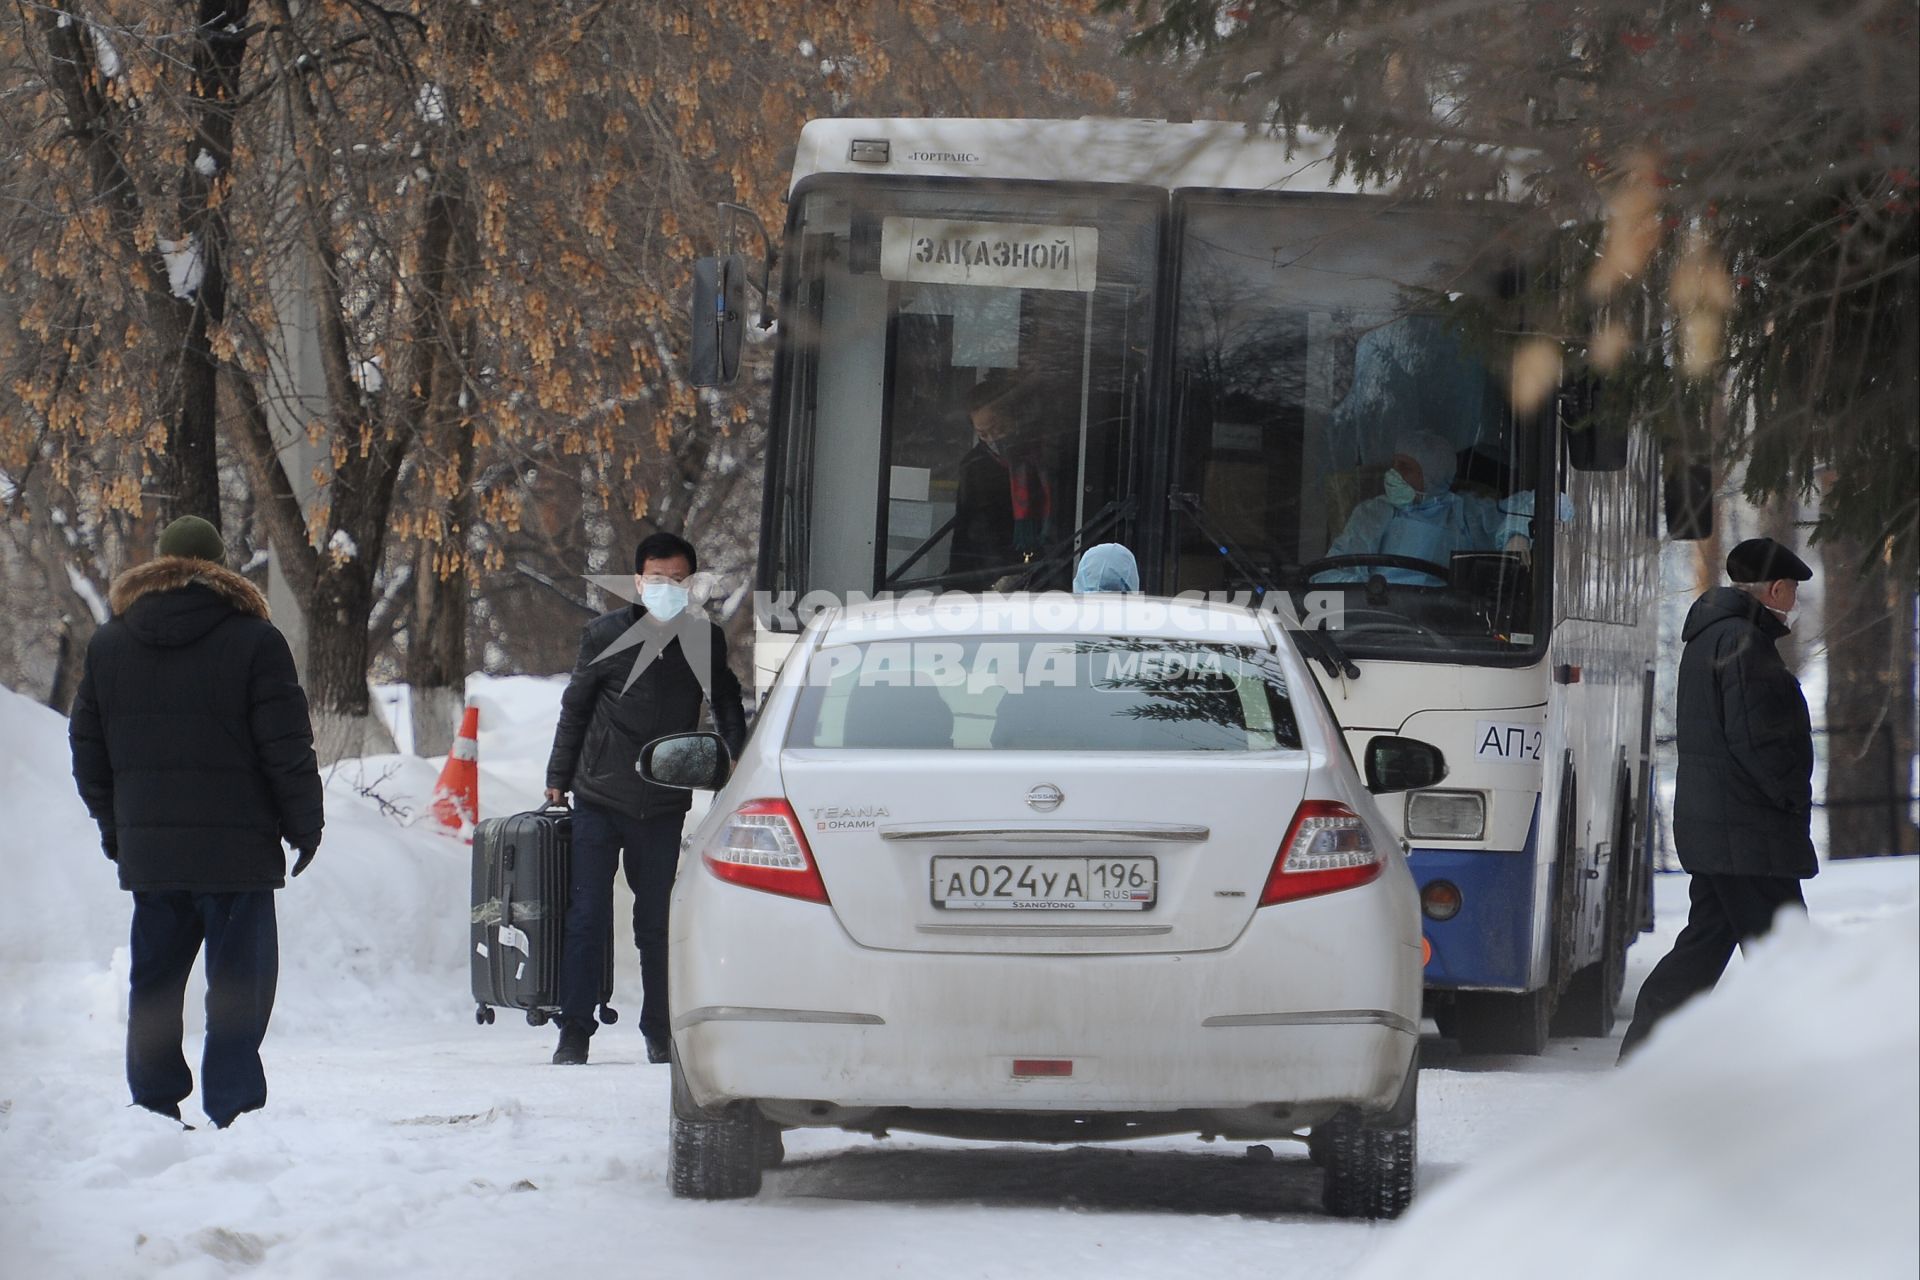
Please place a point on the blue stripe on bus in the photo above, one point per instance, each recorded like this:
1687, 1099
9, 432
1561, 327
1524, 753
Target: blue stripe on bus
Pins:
1488, 943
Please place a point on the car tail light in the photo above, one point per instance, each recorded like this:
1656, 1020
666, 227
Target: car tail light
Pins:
762, 847
1328, 848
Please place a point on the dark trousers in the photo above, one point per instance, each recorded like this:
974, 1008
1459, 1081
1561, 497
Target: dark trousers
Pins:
1726, 912
243, 966
653, 852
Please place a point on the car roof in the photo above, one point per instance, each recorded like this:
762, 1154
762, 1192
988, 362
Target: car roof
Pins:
1047, 613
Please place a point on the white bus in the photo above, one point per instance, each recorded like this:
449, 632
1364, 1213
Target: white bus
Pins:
1192, 342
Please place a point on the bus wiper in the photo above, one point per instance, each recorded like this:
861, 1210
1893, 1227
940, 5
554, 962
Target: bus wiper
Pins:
956, 579
1328, 653
1331, 655
1102, 520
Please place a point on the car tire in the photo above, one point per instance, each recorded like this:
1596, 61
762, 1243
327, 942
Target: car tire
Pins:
1370, 1167
773, 1148
1503, 1022
712, 1154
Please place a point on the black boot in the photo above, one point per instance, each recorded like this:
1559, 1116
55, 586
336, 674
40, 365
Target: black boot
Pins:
573, 1047
659, 1049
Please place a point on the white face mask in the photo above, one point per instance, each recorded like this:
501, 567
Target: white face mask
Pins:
664, 600
1787, 616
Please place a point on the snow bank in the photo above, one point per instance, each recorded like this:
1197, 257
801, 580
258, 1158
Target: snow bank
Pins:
1770, 1130
375, 930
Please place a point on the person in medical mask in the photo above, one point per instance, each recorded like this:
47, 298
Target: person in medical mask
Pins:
1417, 515
674, 659
1743, 789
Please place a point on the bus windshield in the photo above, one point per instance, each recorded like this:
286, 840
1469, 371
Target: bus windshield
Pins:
963, 382
1336, 429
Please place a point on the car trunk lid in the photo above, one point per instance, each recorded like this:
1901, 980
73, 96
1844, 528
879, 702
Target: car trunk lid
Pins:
1041, 852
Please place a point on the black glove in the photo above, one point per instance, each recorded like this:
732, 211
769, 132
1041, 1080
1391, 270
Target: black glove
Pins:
308, 846
110, 842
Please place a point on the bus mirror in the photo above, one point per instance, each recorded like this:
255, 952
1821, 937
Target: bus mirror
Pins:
1402, 764
719, 306
1689, 500
1596, 440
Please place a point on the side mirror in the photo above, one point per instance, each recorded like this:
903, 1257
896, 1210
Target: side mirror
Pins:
687, 761
1402, 764
719, 308
1688, 490
1596, 439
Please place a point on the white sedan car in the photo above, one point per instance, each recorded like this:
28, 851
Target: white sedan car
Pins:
1046, 868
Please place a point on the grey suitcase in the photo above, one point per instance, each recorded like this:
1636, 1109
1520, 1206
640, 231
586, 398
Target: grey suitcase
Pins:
520, 876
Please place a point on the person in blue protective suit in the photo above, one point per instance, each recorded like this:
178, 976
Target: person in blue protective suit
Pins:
1106, 567
1418, 516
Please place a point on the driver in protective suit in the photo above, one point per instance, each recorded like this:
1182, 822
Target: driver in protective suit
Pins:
1419, 516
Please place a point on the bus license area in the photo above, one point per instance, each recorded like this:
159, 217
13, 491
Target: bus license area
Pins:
1045, 884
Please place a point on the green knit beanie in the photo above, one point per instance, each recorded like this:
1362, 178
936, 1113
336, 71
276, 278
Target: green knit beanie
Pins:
191, 536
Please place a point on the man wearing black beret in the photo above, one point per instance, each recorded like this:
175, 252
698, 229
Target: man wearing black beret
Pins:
1743, 796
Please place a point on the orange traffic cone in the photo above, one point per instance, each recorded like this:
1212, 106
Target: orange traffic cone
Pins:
456, 796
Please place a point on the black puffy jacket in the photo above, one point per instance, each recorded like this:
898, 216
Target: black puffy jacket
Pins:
191, 742
1743, 796
605, 719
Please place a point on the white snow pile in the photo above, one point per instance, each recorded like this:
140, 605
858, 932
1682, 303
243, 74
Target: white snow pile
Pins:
375, 929
185, 267
1772, 1130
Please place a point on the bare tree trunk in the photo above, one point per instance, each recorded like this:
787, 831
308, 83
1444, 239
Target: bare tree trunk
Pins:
1868, 692
343, 721
192, 470
437, 637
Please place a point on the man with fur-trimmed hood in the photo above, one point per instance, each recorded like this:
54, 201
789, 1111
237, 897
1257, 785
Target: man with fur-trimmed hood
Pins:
193, 751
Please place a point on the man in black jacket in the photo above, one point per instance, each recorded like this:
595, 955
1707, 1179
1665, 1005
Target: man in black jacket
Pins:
194, 754
610, 710
1743, 795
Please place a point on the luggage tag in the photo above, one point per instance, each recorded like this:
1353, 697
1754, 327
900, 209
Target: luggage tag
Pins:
512, 937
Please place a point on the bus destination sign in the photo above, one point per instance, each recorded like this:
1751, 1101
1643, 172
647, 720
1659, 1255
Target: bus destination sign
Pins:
1014, 255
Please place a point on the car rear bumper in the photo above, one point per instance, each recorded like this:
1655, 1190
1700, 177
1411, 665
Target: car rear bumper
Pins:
1285, 1015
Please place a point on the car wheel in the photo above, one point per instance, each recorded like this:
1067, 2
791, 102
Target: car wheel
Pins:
1503, 1022
1319, 1138
773, 1149
1370, 1169
713, 1155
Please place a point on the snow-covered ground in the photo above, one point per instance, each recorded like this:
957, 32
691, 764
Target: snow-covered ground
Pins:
1770, 1131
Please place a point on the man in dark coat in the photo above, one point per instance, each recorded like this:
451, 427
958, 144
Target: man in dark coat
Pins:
194, 754
1003, 508
1743, 795
610, 710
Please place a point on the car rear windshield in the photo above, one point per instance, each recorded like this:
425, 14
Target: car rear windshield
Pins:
1044, 693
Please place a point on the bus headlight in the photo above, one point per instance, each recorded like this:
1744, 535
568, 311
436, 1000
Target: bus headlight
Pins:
1446, 815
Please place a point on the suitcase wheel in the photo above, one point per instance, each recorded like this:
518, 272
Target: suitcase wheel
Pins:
537, 1017
609, 1015
483, 1014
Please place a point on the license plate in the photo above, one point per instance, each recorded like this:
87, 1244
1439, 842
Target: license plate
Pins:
1045, 884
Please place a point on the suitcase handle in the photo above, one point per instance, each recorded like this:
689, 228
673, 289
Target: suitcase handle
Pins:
551, 807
